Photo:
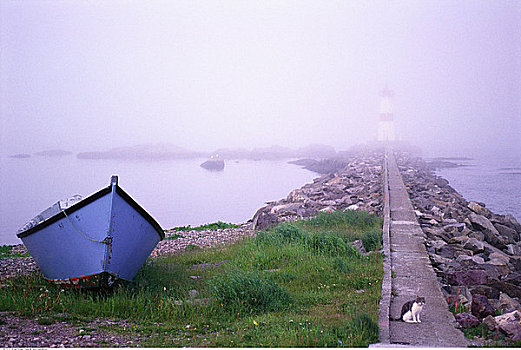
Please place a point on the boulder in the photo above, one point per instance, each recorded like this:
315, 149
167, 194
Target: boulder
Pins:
468, 277
477, 235
492, 235
263, 219
358, 245
440, 182
490, 322
509, 234
514, 249
515, 261
488, 291
510, 324
466, 260
495, 269
467, 320
474, 245
506, 287
511, 221
499, 257
283, 208
507, 303
479, 209
480, 307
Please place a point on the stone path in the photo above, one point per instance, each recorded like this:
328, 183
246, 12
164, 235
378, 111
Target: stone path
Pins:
411, 274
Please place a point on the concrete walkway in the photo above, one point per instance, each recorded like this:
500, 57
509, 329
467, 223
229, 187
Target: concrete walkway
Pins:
411, 274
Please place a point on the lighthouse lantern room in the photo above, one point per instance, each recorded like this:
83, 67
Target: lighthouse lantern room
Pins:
386, 122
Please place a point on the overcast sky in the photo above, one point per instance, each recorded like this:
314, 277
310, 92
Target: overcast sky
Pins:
90, 75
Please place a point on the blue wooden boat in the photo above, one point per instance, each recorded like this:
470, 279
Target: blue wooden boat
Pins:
94, 241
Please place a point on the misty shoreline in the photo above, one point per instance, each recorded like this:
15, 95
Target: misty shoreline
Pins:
166, 151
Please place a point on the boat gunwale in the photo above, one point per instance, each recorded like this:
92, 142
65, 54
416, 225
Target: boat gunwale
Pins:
84, 202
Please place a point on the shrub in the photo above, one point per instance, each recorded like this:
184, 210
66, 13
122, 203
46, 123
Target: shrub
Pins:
249, 290
289, 232
372, 240
328, 244
282, 234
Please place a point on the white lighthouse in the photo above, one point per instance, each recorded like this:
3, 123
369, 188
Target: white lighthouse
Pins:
386, 122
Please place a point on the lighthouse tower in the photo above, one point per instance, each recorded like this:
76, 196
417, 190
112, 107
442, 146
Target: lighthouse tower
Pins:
386, 122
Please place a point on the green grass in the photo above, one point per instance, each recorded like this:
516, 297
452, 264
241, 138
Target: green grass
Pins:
6, 251
297, 285
212, 226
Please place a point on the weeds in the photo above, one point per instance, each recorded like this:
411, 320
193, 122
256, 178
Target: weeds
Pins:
212, 226
6, 251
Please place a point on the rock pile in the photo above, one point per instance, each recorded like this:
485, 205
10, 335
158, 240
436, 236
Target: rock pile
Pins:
355, 186
178, 241
475, 252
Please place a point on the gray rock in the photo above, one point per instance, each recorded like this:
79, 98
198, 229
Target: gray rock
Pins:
511, 221
474, 245
479, 209
507, 303
468, 277
514, 249
506, 287
495, 269
490, 322
466, 260
477, 235
510, 235
480, 307
264, 219
488, 291
492, 235
466, 320
510, 324
500, 257
440, 182
359, 246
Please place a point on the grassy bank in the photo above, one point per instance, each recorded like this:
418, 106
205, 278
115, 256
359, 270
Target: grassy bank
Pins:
297, 285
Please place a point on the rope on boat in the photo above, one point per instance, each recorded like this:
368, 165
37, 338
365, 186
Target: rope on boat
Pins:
106, 240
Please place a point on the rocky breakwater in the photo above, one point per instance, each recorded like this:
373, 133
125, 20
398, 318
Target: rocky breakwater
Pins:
355, 186
475, 252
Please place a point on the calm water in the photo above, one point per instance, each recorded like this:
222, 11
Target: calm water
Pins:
175, 193
492, 179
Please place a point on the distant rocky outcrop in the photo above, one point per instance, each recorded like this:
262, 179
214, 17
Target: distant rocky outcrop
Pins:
213, 164
447, 162
160, 151
20, 155
53, 153
322, 166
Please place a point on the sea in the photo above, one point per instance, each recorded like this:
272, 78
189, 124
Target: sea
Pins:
180, 192
174, 192
493, 179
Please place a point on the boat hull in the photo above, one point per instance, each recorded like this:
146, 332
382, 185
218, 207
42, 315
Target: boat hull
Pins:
102, 238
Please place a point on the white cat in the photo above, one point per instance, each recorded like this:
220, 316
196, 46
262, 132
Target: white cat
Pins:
411, 311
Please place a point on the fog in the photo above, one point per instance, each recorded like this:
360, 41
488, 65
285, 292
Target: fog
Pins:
92, 75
